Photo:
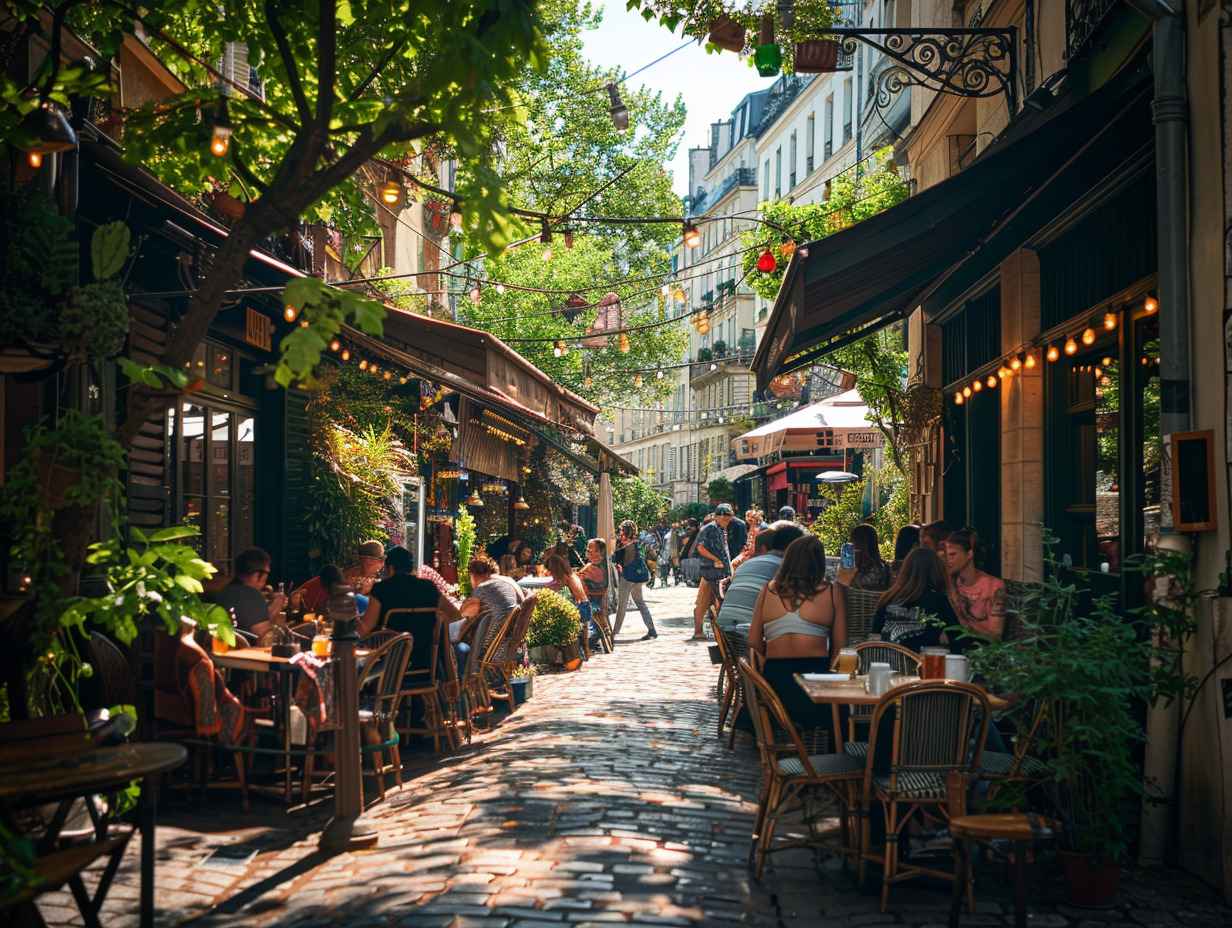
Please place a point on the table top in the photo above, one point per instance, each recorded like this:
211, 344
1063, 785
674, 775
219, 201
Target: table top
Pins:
852, 692
535, 583
60, 777
250, 659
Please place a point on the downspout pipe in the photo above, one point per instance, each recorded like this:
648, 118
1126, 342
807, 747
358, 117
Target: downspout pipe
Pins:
1171, 115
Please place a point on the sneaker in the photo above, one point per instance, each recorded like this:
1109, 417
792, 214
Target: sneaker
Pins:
649, 635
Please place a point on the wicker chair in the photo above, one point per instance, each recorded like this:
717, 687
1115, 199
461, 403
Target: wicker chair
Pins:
732, 648
426, 683
499, 660
119, 682
901, 660
931, 765
476, 696
380, 697
788, 769
861, 606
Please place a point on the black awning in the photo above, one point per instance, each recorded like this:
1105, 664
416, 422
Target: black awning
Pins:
879, 270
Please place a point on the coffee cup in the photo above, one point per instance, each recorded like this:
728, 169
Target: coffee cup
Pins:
956, 668
879, 678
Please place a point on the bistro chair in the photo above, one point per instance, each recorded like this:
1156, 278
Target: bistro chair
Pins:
1021, 828
425, 683
476, 694
861, 607
115, 673
789, 770
500, 660
901, 660
377, 637
732, 648
926, 763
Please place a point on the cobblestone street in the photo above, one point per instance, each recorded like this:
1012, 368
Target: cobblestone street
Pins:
607, 798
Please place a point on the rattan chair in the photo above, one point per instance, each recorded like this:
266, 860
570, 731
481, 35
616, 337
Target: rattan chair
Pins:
732, 648
498, 662
861, 607
476, 696
380, 696
788, 770
901, 660
426, 683
115, 674
931, 765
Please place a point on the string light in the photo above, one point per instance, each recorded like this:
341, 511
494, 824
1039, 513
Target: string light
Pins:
289, 313
966, 391
1107, 362
692, 238
992, 381
220, 137
977, 386
958, 398
388, 375
346, 354
391, 192
36, 160
1088, 336
335, 345
1015, 363
363, 365
500, 289
1070, 346
1029, 363
660, 375
1002, 372
1150, 306
1110, 320
1053, 354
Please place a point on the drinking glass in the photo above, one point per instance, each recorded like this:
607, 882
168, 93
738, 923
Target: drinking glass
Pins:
321, 645
933, 667
848, 661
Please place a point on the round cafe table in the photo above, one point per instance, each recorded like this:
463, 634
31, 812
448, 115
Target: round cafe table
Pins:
24, 781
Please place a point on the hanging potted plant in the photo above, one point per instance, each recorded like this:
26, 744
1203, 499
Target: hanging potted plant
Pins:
813, 52
727, 33
553, 632
1077, 671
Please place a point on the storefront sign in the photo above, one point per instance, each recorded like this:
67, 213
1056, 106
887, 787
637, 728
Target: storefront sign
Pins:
259, 327
843, 439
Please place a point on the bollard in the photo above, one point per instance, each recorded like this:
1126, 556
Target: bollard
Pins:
349, 829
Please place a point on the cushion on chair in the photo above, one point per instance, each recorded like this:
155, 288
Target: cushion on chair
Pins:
914, 785
1000, 764
856, 749
824, 765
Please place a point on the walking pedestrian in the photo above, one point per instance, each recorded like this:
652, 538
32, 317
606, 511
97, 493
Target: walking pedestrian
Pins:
669, 555
716, 563
631, 563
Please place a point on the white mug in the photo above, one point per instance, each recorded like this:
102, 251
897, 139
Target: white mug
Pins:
879, 678
956, 668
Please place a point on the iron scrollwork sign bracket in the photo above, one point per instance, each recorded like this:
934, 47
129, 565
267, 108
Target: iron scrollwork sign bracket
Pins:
965, 62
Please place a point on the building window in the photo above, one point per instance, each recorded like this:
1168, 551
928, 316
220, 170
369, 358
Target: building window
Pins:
778, 172
765, 187
847, 104
791, 177
810, 141
828, 129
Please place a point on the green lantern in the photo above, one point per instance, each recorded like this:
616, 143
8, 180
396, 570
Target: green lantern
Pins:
768, 58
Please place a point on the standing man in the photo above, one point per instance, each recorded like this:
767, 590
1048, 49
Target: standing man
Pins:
737, 534
670, 553
716, 563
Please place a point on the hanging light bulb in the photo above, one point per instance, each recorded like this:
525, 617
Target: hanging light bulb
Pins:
476, 295
1150, 306
1029, 363
1110, 320
766, 262
637, 381
335, 345
692, 238
1088, 336
36, 160
618, 111
958, 398
387, 375
1003, 372
289, 313
220, 137
375, 369
363, 365
455, 215
660, 375
521, 504
1052, 354
346, 354
500, 289
713, 366
992, 381
402, 381
1016, 362
977, 386
966, 391
391, 192
1070, 346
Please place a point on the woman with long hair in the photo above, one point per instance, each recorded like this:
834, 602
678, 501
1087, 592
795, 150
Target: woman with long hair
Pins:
922, 589
799, 622
565, 581
906, 541
978, 597
870, 572
633, 576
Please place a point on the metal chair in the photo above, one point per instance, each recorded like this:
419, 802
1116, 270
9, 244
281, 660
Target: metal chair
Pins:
930, 764
789, 770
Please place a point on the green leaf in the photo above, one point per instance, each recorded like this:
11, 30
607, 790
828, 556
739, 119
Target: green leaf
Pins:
109, 249
174, 532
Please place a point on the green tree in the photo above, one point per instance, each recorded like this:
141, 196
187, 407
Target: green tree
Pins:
343, 83
720, 490
632, 499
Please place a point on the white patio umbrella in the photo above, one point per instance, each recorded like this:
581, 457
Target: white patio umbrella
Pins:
837, 476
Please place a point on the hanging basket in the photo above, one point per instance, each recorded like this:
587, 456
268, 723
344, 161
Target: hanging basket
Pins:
728, 34
55, 480
922, 406
815, 57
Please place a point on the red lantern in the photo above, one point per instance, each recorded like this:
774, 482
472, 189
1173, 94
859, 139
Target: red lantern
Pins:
766, 263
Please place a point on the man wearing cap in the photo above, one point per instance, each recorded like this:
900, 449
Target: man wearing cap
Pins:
716, 563
359, 577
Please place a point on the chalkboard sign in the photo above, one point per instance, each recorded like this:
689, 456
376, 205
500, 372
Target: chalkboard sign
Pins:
1193, 481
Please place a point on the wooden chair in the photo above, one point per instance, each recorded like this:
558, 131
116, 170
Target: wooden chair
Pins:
115, 673
901, 660
425, 683
377, 637
500, 659
861, 607
380, 696
931, 765
788, 769
599, 616
1023, 829
475, 692
732, 648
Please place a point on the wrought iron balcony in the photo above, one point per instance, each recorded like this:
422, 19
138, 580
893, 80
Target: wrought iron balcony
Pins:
740, 177
1083, 18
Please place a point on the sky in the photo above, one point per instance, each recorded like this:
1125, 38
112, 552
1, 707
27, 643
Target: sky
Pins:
712, 85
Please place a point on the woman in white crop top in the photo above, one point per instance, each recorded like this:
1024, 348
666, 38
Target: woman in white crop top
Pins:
799, 621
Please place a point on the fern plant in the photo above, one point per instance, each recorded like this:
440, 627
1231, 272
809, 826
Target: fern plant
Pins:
466, 544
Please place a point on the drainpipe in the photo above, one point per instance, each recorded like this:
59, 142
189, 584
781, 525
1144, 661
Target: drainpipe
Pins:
1171, 113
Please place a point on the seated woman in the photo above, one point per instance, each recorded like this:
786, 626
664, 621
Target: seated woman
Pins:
566, 581
978, 597
594, 574
403, 590
907, 539
870, 572
922, 589
524, 563
492, 598
798, 623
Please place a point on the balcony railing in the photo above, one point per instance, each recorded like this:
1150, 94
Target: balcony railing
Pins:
740, 177
1083, 18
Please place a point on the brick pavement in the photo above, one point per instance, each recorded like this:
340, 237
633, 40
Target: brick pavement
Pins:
607, 798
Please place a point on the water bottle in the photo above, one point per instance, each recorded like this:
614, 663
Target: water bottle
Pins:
847, 556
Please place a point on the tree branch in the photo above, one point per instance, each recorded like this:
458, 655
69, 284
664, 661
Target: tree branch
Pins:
288, 62
327, 55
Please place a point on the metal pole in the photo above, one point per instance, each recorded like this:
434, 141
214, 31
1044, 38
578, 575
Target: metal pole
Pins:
349, 829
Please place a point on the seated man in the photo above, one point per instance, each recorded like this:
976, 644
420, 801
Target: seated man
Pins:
753, 575
361, 575
404, 590
242, 596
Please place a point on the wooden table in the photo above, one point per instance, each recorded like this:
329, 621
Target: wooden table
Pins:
56, 777
852, 693
258, 660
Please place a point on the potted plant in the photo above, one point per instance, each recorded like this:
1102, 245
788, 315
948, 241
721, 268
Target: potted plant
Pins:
521, 684
553, 632
727, 33
1077, 673
813, 52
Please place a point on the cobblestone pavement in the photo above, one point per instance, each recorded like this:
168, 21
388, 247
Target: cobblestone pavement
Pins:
607, 798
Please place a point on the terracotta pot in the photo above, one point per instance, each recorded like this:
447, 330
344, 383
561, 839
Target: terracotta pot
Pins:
1090, 879
228, 205
819, 57
54, 482
726, 33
